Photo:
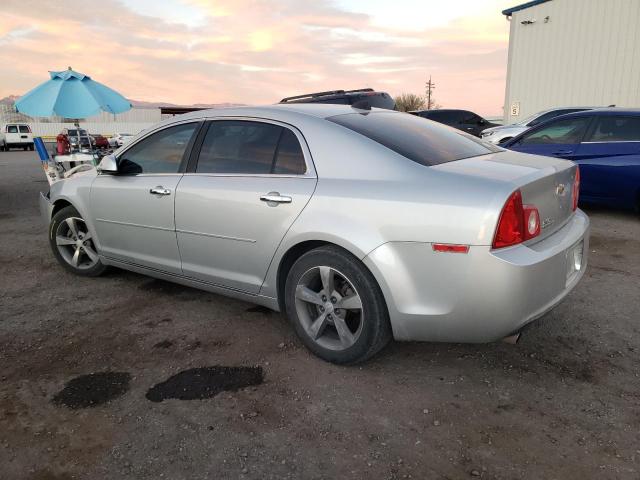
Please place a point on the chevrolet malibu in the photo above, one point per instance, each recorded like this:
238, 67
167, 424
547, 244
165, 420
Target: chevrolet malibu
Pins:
361, 224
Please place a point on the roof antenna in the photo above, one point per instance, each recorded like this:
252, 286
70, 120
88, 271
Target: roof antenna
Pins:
362, 105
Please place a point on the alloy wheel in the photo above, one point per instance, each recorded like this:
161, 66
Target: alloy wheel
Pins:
329, 308
75, 244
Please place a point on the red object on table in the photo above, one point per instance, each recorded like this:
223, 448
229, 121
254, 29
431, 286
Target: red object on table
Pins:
62, 144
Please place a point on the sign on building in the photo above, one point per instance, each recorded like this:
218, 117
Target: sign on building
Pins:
515, 109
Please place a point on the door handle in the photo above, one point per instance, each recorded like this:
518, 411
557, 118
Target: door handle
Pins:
274, 198
562, 153
159, 190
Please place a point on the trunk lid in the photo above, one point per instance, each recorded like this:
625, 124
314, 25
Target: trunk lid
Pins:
544, 182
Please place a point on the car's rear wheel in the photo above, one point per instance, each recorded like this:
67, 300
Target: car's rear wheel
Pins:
73, 245
336, 306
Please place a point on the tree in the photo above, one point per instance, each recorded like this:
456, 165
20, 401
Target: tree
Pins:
406, 102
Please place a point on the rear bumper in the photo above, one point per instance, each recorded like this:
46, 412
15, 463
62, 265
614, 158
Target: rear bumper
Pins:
46, 208
481, 296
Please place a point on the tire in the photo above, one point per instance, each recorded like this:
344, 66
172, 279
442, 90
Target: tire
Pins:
74, 251
356, 303
5, 148
32, 147
25, 148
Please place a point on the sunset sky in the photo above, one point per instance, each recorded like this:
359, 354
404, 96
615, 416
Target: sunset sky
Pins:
258, 51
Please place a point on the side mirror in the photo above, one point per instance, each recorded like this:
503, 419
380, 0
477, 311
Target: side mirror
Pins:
108, 164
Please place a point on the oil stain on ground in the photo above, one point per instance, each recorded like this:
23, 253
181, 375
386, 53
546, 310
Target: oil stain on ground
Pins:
205, 382
93, 389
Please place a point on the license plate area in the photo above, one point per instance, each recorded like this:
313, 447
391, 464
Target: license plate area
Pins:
575, 261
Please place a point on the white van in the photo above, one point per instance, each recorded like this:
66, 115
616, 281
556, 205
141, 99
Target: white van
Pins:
16, 135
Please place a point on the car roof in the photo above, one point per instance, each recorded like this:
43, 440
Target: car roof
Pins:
441, 110
285, 112
603, 111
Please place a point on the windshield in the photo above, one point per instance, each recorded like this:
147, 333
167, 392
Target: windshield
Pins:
530, 118
424, 142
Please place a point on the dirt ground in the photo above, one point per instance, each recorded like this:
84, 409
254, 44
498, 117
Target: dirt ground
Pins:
562, 404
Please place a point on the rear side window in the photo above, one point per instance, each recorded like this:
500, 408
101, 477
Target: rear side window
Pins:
24, 129
12, 129
289, 159
410, 136
245, 147
616, 129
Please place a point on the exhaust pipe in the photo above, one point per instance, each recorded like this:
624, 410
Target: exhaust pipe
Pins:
512, 339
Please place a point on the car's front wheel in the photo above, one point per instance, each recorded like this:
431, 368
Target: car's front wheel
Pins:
73, 245
336, 306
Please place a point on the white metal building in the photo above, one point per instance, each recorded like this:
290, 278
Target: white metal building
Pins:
572, 53
132, 121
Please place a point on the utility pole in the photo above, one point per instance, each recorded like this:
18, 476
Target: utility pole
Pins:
430, 87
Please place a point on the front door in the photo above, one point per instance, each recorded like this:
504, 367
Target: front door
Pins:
133, 211
251, 181
560, 138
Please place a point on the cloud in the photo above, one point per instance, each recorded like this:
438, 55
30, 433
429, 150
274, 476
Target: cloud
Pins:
251, 51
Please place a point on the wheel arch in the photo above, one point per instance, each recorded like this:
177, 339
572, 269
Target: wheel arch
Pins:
59, 205
299, 249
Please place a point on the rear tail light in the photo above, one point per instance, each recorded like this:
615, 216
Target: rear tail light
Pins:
575, 191
517, 222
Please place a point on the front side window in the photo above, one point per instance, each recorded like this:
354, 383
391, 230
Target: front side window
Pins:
161, 152
616, 129
423, 142
562, 132
246, 147
12, 129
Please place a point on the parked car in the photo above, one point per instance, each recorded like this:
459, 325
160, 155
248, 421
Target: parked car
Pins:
77, 139
359, 225
502, 133
119, 139
347, 97
16, 135
605, 143
100, 142
461, 119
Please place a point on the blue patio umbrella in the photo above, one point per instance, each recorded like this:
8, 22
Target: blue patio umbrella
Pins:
71, 94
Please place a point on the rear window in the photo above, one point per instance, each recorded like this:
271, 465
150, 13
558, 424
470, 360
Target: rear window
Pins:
423, 142
24, 129
12, 129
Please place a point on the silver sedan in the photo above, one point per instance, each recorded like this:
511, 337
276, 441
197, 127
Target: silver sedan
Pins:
362, 225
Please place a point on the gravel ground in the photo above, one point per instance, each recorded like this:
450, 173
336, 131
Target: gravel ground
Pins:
562, 404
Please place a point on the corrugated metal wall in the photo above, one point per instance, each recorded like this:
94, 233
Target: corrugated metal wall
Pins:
133, 121
587, 52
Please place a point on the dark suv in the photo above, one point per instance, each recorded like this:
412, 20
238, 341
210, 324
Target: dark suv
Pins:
461, 119
347, 97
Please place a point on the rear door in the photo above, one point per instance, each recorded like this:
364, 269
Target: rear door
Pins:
609, 160
12, 134
245, 188
558, 138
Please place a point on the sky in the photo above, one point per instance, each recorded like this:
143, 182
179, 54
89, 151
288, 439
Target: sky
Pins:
259, 51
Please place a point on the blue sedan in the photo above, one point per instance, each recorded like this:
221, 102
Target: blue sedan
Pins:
605, 143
